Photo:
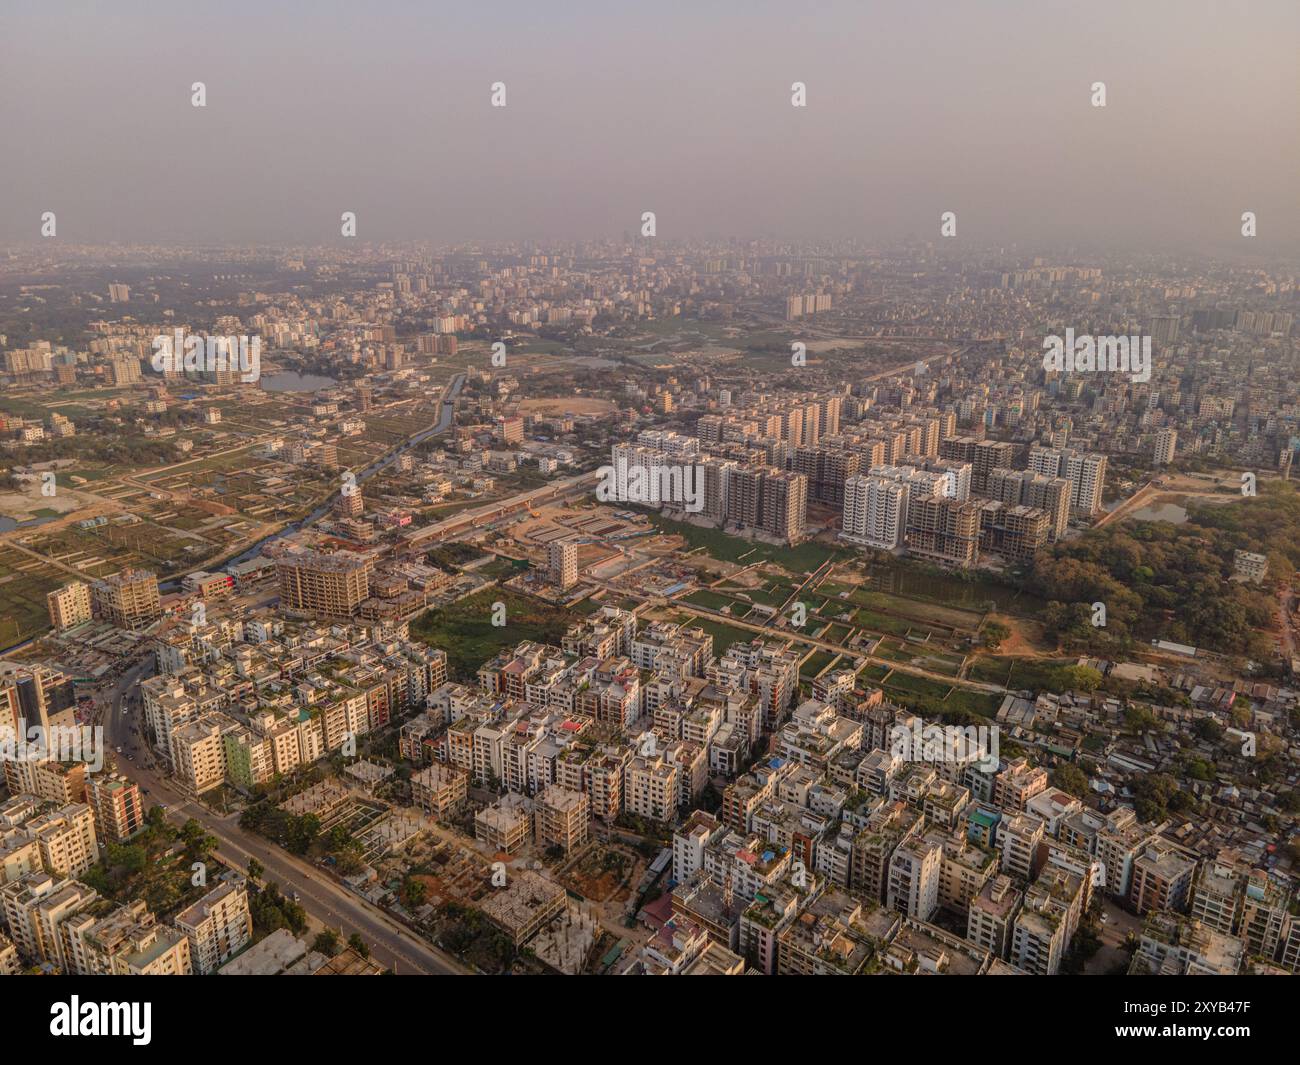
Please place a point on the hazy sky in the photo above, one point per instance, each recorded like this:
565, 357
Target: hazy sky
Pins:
914, 107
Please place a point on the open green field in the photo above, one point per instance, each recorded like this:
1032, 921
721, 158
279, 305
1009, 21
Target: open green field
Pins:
972, 592
921, 612
983, 703
24, 583
903, 682
880, 623
723, 635
921, 656
815, 663
705, 597
800, 559
465, 630
1034, 674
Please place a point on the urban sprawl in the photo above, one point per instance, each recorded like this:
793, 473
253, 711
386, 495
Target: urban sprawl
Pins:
626, 607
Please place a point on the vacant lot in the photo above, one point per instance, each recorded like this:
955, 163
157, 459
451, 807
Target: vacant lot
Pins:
465, 630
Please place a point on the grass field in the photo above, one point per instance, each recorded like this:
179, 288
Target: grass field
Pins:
24, 583
983, 703
465, 630
816, 662
723, 635
800, 559
1035, 674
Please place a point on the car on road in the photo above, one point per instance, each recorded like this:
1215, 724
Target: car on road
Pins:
118, 749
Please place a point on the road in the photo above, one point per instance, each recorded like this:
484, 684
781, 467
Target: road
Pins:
494, 511
445, 415
1134, 502
332, 905
771, 631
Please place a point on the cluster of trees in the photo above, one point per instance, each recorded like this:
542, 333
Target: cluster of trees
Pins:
272, 910
467, 933
993, 633
1157, 795
294, 833
142, 868
1158, 580
450, 556
104, 441
329, 944
347, 852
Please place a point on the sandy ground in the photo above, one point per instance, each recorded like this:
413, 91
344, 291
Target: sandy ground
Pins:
1026, 639
23, 505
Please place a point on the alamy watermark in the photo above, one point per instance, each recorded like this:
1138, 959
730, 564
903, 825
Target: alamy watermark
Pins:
1090, 354
180, 353
958, 744
653, 485
61, 743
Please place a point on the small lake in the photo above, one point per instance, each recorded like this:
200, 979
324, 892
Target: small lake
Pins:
9, 524
292, 381
1171, 512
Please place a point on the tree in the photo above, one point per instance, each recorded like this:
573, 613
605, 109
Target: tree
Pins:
1071, 779
1208, 729
196, 839
1139, 718
994, 633
358, 944
326, 942
1084, 678
255, 869
414, 892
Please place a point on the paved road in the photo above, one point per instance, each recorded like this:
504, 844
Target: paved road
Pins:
497, 509
391, 945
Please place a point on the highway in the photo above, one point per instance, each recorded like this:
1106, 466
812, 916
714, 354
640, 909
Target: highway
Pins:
499, 508
391, 944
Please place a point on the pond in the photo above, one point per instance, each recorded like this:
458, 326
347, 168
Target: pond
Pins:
292, 381
1171, 512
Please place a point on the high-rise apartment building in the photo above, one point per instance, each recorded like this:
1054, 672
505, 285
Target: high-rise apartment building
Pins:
218, 926
785, 505
1166, 443
128, 600
350, 503
326, 585
562, 557
945, 530
563, 817
115, 800
35, 695
875, 511
69, 605
1085, 471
